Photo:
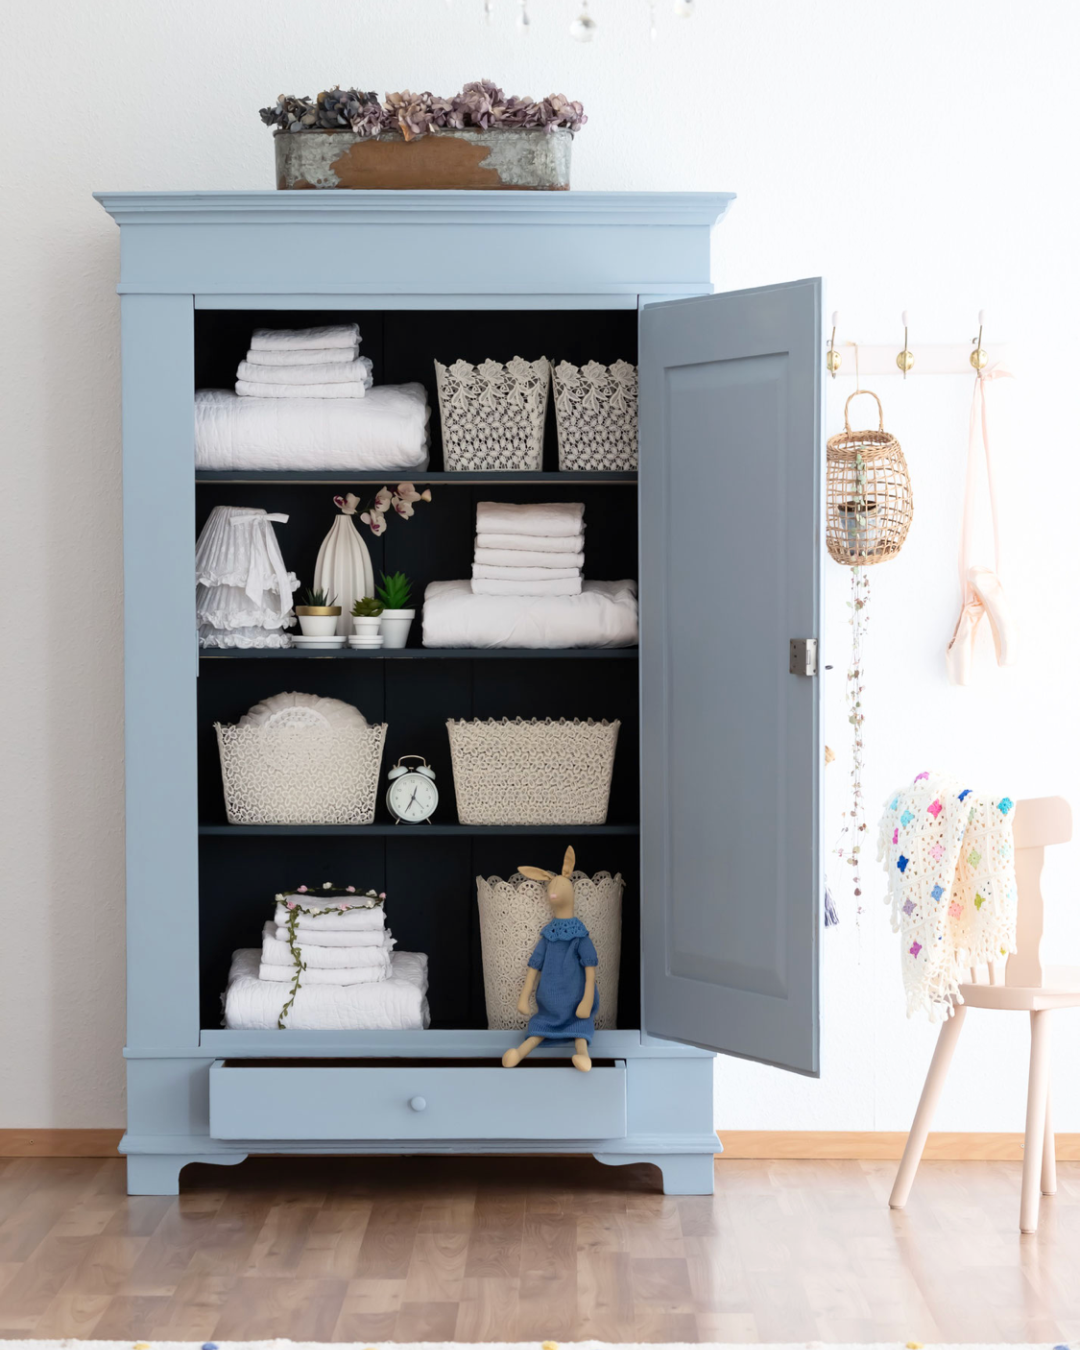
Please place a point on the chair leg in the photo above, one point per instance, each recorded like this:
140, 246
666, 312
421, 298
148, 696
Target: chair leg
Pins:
931, 1093
1038, 1086
1049, 1158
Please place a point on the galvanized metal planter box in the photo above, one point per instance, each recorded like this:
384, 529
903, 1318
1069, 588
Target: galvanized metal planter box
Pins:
505, 158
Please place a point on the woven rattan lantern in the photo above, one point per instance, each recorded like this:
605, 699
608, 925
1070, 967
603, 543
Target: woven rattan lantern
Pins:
868, 493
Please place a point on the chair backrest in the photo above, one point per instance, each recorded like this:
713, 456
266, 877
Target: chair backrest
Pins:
1038, 822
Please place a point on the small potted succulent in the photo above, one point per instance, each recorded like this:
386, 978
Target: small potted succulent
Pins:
366, 615
395, 594
318, 616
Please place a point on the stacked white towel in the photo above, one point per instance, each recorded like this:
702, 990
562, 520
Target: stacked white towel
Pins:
327, 961
305, 363
535, 549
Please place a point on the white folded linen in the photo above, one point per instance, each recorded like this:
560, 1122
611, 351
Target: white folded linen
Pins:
387, 430
513, 557
568, 586
277, 952
603, 615
537, 543
553, 519
302, 339
335, 937
329, 372
342, 389
304, 356
323, 975
485, 571
396, 1004
331, 919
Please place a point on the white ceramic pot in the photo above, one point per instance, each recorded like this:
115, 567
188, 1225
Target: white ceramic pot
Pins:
366, 627
394, 626
320, 622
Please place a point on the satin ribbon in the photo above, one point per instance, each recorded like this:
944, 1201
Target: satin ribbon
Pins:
979, 585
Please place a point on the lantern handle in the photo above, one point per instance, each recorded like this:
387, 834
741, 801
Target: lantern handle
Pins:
881, 413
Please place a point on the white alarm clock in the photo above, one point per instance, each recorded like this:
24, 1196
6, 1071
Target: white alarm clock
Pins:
412, 795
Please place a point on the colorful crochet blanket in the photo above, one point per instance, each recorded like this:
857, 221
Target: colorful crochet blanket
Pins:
948, 854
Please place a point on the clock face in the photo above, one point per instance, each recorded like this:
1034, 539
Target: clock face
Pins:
412, 797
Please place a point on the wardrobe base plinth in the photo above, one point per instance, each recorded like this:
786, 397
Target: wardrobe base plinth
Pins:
682, 1173
159, 1173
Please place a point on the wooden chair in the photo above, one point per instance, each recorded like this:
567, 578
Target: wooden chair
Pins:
1029, 987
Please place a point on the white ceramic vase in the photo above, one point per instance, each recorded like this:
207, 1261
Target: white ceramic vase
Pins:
394, 626
343, 568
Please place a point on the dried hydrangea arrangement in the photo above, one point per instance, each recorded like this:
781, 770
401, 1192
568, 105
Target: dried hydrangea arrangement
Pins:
480, 106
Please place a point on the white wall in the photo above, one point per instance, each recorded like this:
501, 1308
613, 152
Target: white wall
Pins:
917, 155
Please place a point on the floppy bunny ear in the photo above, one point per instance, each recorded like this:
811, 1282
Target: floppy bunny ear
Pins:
536, 873
568, 863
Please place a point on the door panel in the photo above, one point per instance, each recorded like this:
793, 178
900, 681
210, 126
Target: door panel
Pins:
730, 572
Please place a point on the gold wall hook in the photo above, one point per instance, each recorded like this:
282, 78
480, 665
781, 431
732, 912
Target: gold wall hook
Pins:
833, 359
905, 359
979, 358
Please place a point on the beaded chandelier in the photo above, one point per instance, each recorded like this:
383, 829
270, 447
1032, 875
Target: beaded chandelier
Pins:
584, 27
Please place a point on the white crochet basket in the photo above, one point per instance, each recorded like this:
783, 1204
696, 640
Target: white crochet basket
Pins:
511, 916
596, 411
532, 772
300, 774
493, 415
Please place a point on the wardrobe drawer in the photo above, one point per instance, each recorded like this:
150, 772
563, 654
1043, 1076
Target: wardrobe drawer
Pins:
314, 1100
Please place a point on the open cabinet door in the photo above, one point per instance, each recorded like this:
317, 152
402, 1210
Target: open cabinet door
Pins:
730, 493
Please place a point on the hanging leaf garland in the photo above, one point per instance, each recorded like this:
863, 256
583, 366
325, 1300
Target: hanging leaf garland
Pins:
855, 823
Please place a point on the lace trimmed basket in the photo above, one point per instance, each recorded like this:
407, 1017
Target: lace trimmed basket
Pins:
511, 916
532, 772
493, 415
299, 773
596, 411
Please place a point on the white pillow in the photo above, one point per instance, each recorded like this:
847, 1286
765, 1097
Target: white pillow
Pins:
303, 710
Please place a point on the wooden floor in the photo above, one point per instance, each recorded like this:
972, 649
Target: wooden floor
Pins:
479, 1249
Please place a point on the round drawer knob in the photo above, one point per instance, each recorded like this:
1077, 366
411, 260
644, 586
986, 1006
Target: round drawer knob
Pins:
418, 1103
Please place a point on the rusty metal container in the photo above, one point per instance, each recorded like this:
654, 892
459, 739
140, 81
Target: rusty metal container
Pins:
498, 159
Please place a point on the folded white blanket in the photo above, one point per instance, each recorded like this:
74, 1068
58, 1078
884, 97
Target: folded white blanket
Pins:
603, 615
330, 919
553, 519
568, 586
277, 952
484, 571
537, 543
396, 1004
324, 975
387, 430
519, 557
304, 356
301, 339
329, 372
342, 389
347, 938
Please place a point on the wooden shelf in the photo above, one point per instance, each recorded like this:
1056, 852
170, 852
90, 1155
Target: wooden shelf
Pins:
420, 654
382, 827
383, 476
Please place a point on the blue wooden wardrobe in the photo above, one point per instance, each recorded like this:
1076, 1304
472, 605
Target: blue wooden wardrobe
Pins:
714, 817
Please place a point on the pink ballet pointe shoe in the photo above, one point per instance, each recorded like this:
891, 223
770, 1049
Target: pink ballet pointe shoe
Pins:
990, 591
961, 648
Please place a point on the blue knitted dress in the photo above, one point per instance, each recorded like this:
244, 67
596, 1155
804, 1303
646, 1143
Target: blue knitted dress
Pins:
561, 955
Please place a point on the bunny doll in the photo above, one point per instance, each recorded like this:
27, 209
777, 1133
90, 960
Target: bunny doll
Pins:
562, 973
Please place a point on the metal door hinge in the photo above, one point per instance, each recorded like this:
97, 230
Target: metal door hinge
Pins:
802, 656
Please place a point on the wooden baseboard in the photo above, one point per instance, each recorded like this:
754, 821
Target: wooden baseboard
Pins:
883, 1145
59, 1143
